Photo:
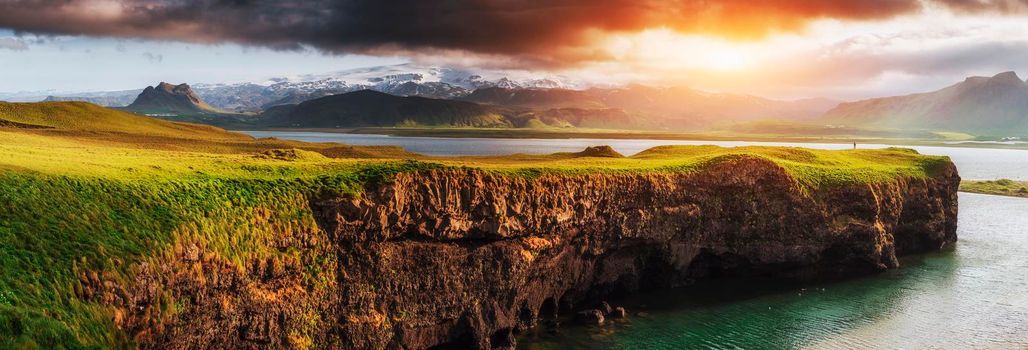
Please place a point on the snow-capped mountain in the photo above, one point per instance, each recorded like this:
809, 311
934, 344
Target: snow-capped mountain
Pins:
459, 77
400, 80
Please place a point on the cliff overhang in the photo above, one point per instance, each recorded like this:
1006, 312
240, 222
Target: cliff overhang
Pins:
468, 257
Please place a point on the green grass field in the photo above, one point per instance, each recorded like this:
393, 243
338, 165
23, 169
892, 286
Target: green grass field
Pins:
83, 188
1002, 187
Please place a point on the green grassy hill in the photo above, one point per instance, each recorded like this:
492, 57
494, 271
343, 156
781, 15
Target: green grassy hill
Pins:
1001, 187
375, 109
88, 117
369, 108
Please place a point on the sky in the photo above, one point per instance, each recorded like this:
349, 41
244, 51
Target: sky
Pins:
773, 48
82, 63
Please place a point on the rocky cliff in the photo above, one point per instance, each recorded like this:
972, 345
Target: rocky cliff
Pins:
169, 99
467, 258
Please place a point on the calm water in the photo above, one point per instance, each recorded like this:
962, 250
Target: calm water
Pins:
974, 295
974, 163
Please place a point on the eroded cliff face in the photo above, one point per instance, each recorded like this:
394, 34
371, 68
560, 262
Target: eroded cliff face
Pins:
466, 258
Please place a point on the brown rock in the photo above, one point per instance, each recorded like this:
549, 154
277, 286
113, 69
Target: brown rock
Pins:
590, 317
619, 312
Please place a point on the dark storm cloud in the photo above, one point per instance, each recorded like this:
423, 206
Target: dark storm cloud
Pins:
556, 31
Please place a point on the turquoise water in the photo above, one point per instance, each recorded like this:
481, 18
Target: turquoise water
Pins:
972, 296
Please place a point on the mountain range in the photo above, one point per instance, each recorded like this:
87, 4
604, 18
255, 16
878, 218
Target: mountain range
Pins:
409, 100
995, 106
406, 95
474, 86
536, 108
255, 96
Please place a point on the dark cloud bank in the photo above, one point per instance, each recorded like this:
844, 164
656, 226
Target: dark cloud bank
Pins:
543, 32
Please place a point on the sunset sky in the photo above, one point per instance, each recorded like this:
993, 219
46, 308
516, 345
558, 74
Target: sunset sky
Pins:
782, 49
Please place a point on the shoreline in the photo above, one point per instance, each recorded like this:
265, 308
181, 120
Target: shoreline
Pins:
994, 194
458, 133
1001, 187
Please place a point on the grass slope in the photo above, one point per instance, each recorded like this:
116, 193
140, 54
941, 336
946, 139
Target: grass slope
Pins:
88, 117
72, 203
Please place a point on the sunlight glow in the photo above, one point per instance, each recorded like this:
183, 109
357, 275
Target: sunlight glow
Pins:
666, 49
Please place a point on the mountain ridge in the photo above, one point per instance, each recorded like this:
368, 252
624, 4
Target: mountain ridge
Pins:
996, 105
369, 108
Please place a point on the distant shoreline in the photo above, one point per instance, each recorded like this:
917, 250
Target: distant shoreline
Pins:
1001, 187
458, 133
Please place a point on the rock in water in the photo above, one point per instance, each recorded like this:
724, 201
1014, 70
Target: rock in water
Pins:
590, 317
504, 340
619, 312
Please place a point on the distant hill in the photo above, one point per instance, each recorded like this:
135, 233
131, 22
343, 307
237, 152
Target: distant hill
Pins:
684, 107
994, 106
106, 99
608, 118
640, 108
534, 98
88, 117
666, 108
367, 108
181, 103
253, 97
170, 99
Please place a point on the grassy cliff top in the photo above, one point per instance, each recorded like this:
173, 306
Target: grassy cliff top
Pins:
117, 157
82, 139
85, 190
811, 166
123, 157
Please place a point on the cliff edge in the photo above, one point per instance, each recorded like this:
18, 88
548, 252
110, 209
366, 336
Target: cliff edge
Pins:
203, 239
467, 257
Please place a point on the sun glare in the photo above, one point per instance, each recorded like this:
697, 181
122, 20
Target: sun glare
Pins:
665, 49
726, 60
